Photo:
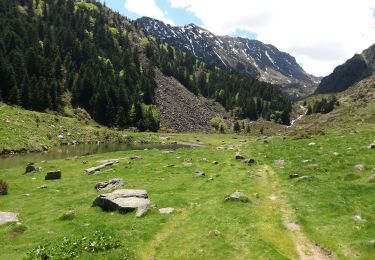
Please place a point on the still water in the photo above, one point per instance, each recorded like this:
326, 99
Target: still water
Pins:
63, 152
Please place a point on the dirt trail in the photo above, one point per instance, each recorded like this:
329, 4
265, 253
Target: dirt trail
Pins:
269, 186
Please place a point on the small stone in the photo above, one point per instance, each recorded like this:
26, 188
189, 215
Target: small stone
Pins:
279, 163
250, 161
215, 162
336, 154
166, 210
200, 174
237, 196
85, 162
215, 233
53, 175
60, 136
210, 179
30, 168
302, 178
134, 158
312, 143
239, 157
372, 146
359, 167
43, 187
293, 175
256, 195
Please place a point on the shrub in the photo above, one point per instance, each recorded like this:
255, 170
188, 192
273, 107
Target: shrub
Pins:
72, 248
3, 188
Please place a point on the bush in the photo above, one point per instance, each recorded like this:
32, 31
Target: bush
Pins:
3, 188
72, 248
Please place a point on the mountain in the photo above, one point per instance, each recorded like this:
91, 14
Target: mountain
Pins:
63, 56
253, 57
360, 66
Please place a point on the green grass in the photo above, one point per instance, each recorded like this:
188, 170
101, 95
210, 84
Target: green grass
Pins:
22, 130
324, 206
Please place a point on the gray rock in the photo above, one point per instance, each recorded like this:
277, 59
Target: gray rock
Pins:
372, 146
200, 174
237, 196
166, 210
215, 162
141, 211
111, 184
215, 233
302, 178
43, 187
279, 163
53, 175
359, 167
293, 175
124, 201
250, 161
30, 168
239, 157
6, 217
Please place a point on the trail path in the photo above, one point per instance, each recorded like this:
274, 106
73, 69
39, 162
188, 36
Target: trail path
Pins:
304, 110
269, 186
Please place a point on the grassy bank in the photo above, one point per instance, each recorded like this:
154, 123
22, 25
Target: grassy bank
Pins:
284, 219
23, 130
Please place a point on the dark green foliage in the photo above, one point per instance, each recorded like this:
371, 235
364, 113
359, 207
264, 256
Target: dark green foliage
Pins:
71, 46
3, 188
236, 127
72, 248
323, 106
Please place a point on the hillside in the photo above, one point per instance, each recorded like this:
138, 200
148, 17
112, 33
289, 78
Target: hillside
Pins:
28, 131
80, 53
352, 71
252, 57
356, 110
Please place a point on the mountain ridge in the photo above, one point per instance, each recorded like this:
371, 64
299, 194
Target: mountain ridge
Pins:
355, 69
263, 61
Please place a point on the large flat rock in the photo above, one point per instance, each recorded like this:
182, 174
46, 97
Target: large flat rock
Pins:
124, 201
6, 217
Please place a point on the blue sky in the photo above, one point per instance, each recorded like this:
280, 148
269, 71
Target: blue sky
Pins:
179, 16
320, 34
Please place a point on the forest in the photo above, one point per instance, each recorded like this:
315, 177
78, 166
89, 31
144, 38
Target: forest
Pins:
55, 53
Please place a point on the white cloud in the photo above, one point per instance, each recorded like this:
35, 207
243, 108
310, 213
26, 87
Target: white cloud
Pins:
321, 34
147, 8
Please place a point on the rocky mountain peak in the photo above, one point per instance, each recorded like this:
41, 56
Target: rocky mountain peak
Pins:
263, 61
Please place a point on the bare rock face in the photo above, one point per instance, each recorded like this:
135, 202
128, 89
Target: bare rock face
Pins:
111, 184
124, 201
6, 217
181, 110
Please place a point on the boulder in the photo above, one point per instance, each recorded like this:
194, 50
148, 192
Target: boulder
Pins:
108, 185
166, 210
237, 196
53, 175
359, 167
239, 157
124, 201
6, 217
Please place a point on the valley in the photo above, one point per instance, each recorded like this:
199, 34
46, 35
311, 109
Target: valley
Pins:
137, 139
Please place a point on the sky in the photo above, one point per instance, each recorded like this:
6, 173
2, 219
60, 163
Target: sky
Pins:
320, 34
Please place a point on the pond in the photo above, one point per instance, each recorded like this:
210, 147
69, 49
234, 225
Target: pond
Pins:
67, 151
